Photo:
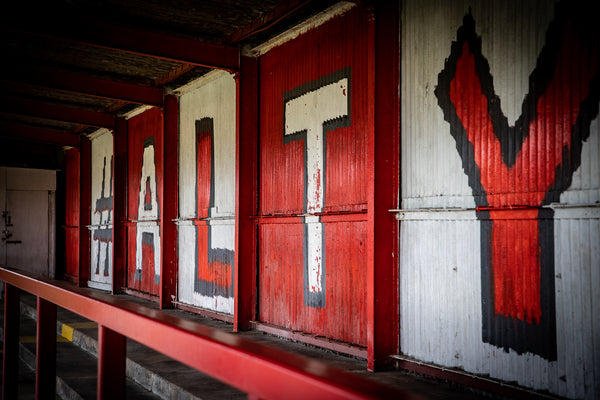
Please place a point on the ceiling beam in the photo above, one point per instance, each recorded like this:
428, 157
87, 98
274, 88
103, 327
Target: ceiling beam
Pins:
266, 21
30, 133
139, 42
74, 83
34, 108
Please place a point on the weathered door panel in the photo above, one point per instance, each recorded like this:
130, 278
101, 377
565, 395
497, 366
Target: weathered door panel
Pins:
145, 182
314, 120
206, 226
102, 212
500, 187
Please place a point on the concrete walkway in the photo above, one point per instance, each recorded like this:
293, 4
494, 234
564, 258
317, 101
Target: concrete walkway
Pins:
152, 375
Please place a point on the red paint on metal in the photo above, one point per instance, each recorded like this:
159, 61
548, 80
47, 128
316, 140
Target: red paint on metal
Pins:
140, 128
517, 290
211, 271
40, 109
203, 174
72, 213
281, 253
254, 368
168, 276
45, 350
120, 143
112, 349
340, 44
246, 187
85, 210
384, 187
10, 355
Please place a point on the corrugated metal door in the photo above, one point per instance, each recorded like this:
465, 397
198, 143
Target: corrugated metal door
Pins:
72, 214
102, 212
206, 226
500, 229
314, 112
145, 182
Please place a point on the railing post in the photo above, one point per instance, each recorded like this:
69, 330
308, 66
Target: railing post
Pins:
111, 364
10, 372
45, 361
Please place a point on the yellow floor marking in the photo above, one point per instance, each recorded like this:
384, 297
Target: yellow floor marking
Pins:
67, 330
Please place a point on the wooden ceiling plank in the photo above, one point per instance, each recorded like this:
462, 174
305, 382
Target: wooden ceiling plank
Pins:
13, 105
74, 83
140, 42
29, 133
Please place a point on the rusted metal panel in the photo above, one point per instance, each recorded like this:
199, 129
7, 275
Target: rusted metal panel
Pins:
313, 137
72, 213
207, 193
102, 218
145, 184
500, 111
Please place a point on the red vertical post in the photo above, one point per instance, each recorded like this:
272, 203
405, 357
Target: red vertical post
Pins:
168, 275
246, 151
85, 209
112, 348
120, 151
45, 361
10, 361
384, 154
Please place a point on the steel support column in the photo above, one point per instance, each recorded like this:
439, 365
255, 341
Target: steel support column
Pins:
168, 275
384, 153
246, 194
45, 361
112, 348
120, 205
85, 210
10, 362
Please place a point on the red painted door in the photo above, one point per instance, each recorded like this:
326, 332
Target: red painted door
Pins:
314, 119
72, 214
144, 201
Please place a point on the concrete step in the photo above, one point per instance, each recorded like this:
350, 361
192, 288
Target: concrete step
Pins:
76, 377
154, 372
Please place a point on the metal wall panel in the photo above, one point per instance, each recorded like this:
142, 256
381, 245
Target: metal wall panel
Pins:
314, 110
145, 182
101, 267
206, 225
499, 122
72, 212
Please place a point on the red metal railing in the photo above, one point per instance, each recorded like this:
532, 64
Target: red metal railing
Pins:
258, 370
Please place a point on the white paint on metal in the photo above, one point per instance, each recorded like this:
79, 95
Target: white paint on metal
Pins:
135, 112
300, 29
213, 96
101, 266
148, 212
307, 114
440, 260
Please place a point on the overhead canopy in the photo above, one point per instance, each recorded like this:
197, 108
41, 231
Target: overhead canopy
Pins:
72, 66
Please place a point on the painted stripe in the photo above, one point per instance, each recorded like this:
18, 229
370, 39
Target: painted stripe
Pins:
33, 339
